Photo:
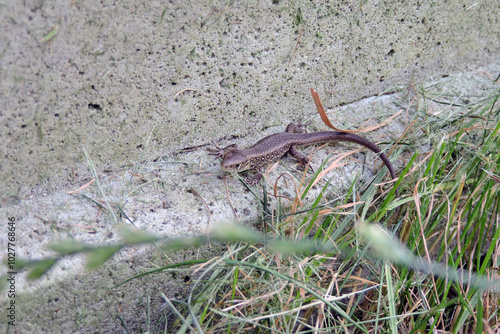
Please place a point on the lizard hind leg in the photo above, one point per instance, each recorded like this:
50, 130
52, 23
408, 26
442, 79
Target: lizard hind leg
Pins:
296, 128
293, 151
303, 159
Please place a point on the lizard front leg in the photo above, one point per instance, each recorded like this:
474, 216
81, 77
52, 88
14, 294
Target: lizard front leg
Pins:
222, 152
253, 180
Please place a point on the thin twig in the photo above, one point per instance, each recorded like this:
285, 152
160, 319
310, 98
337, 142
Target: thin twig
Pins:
184, 90
296, 45
209, 213
229, 199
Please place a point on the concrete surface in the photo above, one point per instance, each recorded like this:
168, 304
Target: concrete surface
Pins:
136, 85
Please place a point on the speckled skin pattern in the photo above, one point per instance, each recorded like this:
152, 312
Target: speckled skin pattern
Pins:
273, 147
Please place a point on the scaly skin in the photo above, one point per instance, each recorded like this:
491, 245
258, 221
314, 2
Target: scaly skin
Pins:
273, 147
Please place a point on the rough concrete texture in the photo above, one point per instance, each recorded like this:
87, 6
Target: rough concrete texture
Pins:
113, 69
133, 84
71, 300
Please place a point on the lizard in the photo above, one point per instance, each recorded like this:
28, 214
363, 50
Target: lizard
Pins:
273, 147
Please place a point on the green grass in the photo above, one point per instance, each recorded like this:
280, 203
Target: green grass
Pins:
353, 264
361, 278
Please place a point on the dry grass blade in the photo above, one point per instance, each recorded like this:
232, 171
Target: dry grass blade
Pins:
81, 188
335, 164
324, 117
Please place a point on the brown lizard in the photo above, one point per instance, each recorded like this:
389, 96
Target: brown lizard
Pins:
273, 147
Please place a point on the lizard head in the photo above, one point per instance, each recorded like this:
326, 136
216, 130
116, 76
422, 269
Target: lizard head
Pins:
235, 162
